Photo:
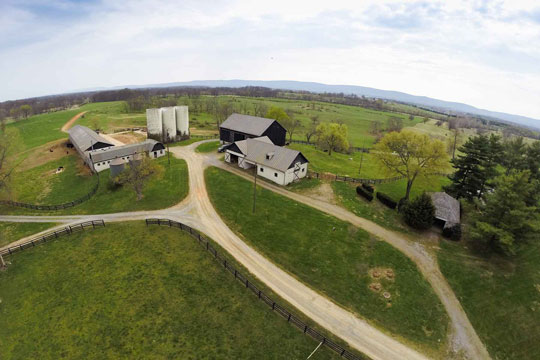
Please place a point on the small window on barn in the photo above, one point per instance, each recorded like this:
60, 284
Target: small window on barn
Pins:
275, 174
262, 169
303, 169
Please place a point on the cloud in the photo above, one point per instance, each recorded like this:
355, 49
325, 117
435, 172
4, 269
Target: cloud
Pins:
481, 53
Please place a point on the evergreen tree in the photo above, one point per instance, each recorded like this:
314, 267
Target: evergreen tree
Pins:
476, 167
420, 212
515, 155
506, 218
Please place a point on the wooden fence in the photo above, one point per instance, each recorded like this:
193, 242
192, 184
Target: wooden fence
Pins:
68, 230
352, 148
205, 137
54, 207
335, 177
306, 329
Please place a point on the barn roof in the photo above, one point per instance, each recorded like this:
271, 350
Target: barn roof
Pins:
242, 144
280, 158
84, 138
446, 208
247, 124
123, 151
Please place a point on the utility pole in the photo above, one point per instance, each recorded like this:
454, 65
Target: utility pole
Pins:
168, 156
361, 158
255, 188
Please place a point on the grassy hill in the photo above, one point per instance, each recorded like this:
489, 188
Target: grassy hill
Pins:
128, 291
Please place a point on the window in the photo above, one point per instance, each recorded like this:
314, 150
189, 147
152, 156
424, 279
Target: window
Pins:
262, 169
303, 169
275, 174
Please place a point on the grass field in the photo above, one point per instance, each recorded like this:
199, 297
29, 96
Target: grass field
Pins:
333, 257
127, 291
208, 147
501, 297
10, 232
35, 186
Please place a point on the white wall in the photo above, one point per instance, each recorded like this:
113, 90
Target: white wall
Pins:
271, 174
104, 165
289, 176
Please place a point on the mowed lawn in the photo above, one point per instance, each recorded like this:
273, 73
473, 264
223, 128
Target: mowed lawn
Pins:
210, 146
10, 232
334, 258
41, 186
501, 297
128, 291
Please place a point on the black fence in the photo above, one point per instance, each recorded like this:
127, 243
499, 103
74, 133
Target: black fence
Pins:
204, 137
54, 207
68, 230
334, 177
352, 148
306, 329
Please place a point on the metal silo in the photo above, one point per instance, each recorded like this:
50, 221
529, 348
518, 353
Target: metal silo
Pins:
182, 120
117, 166
169, 123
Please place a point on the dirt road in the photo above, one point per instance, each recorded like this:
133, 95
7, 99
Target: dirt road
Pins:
197, 211
464, 337
72, 121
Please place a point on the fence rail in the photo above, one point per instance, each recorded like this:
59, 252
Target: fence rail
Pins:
68, 230
335, 177
352, 148
215, 136
284, 313
54, 207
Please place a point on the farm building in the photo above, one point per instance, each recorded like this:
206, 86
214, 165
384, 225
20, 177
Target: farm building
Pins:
276, 163
447, 209
168, 124
98, 153
239, 127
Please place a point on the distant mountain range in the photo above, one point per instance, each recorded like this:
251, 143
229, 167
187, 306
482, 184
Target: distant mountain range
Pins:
423, 101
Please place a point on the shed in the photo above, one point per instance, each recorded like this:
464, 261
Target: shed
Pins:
239, 127
447, 209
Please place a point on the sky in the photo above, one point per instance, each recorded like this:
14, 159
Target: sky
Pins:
482, 53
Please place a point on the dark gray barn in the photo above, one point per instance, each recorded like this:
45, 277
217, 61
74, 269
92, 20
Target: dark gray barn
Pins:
239, 127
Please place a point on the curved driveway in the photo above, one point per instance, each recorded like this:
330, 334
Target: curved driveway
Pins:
197, 211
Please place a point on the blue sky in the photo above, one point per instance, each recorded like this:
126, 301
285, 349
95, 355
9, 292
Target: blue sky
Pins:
483, 53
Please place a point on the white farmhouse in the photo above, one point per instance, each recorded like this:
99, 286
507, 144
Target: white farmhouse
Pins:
276, 163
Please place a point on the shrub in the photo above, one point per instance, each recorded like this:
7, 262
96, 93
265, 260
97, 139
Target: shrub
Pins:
420, 212
360, 191
452, 232
403, 202
386, 200
368, 188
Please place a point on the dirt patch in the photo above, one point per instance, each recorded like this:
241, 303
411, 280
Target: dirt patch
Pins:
43, 154
382, 273
129, 137
323, 192
375, 287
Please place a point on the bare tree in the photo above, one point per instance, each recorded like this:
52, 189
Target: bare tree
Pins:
394, 123
312, 129
260, 109
137, 173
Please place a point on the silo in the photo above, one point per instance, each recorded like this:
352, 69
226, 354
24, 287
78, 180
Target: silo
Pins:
169, 124
117, 166
182, 120
153, 124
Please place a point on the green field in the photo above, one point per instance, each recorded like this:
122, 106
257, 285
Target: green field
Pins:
211, 146
333, 257
35, 186
501, 297
10, 232
132, 292
110, 116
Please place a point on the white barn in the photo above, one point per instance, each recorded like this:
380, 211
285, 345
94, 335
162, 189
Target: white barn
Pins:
275, 163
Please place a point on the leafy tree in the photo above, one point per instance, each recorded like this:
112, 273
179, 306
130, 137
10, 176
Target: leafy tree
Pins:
420, 212
533, 160
411, 155
476, 167
137, 173
286, 120
15, 113
506, 219
332, 137
394, 123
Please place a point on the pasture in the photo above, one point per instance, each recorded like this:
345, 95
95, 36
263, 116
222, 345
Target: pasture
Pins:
10, 232
129, 291
334, 258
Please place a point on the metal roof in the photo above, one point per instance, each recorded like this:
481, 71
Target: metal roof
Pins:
242, 144
123, 151
446, 208
247, 124
281, 158
83, 138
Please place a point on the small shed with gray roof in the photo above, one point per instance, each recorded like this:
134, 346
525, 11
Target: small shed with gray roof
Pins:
447, 209
276, 163
239, 127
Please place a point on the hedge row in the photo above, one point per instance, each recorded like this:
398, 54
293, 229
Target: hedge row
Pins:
386, 200
369, 188
367, 195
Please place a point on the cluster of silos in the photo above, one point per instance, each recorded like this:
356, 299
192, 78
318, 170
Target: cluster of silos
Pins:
167, 124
